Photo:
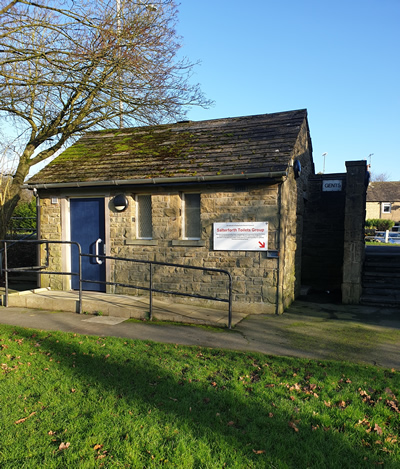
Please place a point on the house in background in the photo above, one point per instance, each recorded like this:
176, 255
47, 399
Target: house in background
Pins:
383, 200
226, 193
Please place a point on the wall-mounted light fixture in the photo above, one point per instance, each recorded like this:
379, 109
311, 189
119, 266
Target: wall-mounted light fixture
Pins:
120, 202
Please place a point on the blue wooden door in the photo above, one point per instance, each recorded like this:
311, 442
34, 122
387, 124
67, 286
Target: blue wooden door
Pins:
88, 229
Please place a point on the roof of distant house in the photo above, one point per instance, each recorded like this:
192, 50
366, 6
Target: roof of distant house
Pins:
227, 147
383, 191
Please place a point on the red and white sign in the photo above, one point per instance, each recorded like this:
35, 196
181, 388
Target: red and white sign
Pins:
247, 236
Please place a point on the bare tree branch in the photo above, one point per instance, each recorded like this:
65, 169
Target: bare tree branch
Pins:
67, 66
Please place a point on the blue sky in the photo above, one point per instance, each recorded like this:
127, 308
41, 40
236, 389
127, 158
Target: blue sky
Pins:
339, 59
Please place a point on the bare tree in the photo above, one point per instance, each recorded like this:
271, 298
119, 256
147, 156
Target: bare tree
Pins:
381, 177
67, 66
7, 6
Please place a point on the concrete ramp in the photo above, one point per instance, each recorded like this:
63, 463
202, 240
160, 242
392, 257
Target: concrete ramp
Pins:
122, 306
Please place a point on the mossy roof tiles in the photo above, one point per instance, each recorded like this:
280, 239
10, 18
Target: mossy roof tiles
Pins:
385, 191
232, 146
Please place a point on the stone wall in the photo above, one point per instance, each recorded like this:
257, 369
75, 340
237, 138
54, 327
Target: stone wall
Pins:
354, 240
324, 235
50, 229
293, 195
257, 283
333, 245
254, 275
373, 210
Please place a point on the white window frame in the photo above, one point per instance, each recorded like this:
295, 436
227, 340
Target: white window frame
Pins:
386, 205
184, 216
137, 197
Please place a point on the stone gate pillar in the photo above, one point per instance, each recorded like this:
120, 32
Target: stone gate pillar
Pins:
354, 242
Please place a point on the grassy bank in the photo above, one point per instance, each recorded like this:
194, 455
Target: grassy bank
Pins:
78, 401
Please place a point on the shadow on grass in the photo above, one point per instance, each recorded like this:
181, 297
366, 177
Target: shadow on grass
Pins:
208, 409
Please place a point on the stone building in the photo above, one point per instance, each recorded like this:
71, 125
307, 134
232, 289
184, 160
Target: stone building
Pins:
192, 193
383, 200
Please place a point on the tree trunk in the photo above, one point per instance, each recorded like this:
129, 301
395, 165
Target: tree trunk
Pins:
11, 196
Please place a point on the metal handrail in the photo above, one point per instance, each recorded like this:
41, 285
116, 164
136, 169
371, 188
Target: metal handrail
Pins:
385, 236
150, 289
24, 238
39, 268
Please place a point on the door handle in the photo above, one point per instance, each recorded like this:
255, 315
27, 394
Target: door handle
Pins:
99, 261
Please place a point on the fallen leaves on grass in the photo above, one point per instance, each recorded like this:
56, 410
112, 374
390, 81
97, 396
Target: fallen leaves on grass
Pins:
378, 429
64, 446
393, 405
293, 426
367, 398
25, 418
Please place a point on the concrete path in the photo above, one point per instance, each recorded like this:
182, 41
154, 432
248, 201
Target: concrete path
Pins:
124, 306
309, 329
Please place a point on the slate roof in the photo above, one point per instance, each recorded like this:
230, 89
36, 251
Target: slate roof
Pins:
232, 146
384, 191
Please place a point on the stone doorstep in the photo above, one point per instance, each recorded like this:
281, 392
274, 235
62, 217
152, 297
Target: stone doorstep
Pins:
27, 292
44, 298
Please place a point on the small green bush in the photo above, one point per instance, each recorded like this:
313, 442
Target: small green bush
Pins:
25, 213
379, 224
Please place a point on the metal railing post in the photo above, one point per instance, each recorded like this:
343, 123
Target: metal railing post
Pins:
230, 303
5, 275
80, 278
386, 236
151, 292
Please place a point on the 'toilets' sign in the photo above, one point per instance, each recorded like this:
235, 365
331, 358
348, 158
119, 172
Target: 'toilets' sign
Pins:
248, 236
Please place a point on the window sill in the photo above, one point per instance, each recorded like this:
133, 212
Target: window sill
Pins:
141, 242
188, 242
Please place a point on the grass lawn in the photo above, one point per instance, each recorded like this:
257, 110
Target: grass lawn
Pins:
377, 243
74, 401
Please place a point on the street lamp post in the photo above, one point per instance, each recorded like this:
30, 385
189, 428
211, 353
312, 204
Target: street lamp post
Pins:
324, 155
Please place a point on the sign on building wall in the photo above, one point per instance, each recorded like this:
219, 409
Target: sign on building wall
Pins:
332, 185
247, 236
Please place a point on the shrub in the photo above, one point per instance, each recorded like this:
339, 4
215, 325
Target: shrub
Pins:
26, 217
379, 224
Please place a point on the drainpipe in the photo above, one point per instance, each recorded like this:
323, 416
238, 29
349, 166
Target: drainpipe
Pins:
278, 269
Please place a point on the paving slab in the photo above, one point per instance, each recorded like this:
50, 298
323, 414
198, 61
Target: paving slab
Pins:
108, 320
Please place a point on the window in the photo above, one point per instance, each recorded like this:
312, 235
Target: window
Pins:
144, 224
191, 216
386, 207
